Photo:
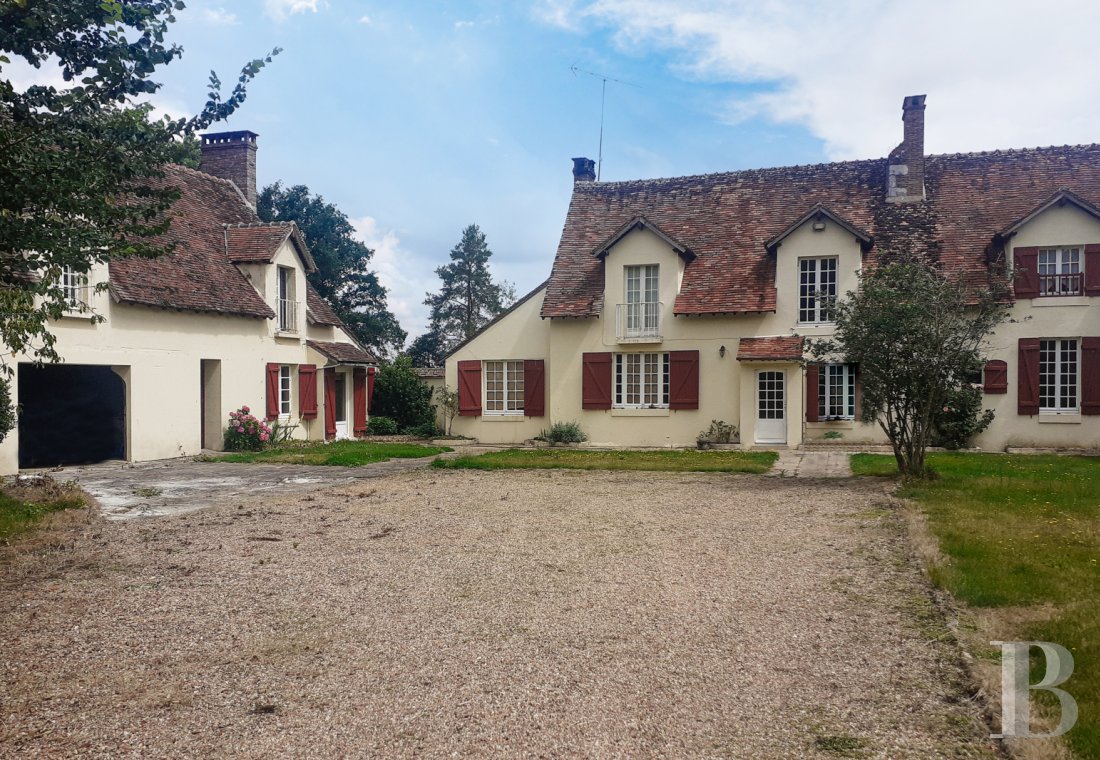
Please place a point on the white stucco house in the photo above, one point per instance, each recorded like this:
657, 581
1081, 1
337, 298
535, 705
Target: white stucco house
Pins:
674, 302
227, 319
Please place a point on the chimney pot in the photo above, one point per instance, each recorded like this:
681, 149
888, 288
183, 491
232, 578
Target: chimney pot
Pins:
232, 156
584, 170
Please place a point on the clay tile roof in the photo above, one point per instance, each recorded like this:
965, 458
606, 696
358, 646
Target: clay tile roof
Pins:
197, 275
780, 348
343, 353
428, 372
260, 241
319, 311
727, 219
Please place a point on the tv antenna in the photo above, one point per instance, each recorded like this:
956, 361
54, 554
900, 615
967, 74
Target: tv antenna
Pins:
604, 79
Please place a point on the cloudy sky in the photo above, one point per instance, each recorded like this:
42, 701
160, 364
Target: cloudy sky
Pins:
418, 118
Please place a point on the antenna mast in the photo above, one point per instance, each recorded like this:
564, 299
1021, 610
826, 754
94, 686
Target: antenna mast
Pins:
604, 79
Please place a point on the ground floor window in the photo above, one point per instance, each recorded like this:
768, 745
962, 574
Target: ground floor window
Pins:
284, 391
1058, 375
837, 392
641, 380
504, 387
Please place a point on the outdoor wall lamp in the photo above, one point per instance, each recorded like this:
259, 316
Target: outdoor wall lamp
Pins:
722, 352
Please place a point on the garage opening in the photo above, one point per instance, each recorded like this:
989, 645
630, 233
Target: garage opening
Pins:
70, 414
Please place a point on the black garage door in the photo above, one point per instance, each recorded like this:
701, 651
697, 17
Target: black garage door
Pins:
70, 414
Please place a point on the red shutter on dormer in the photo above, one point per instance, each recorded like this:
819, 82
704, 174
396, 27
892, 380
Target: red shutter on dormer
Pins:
1028, 371
359, 401
813, 391
469, 388
272, 391
534, 387
683, 379
1025, 268
596, 380
1090, 375
330, 403
307, 391
1092, 269
370, 387
995, 376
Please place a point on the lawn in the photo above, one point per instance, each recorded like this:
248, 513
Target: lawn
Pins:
679, 460
337, 454
24, 505
1022, 531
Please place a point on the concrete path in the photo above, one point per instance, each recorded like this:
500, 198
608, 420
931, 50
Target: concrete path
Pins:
796, 463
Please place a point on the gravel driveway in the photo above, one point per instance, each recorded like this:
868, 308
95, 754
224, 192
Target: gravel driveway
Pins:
502, 614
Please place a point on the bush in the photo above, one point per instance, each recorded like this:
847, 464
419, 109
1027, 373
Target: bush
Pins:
245, 432
718, 432
424, 430
961, 418
400, 395
564, 432
378, 425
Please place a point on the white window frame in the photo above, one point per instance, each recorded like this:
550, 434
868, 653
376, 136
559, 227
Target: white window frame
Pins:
642, 292
1060, 375
286, 306
74, 288
817, 289
286, 391
510, 403
1061, 262
653, 380
830, 376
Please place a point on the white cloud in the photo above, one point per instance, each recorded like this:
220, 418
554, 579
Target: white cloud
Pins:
463, 24
281, 9
365, 20
997, 75
398, 272
218, 17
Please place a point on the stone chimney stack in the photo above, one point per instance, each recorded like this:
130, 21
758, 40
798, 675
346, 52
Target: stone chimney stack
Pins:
232, 156
905, 181
584, 170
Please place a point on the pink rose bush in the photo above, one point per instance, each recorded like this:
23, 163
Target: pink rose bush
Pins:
245, 432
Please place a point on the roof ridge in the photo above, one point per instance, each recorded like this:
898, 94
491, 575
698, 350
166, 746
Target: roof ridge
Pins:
237, 225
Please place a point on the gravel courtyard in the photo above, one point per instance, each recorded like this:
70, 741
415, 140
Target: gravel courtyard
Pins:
501, 614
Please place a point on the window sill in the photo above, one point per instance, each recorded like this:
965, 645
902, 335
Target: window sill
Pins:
1060, 301
87, 316
501, 417
1065, 418
639, 412
812, 325
846, 423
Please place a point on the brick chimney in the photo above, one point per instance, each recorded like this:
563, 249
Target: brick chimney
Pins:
905, 181
232, 156
584, 170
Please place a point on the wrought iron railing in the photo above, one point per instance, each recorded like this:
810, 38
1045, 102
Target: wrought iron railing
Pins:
1061, 284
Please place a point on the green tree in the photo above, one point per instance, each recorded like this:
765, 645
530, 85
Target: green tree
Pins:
80, 164
916, 336
428, 350
342, 276
468, 297
400, 395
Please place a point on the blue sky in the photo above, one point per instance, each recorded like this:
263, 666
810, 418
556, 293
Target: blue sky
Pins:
418, 118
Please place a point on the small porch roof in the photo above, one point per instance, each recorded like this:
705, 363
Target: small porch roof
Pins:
782, 348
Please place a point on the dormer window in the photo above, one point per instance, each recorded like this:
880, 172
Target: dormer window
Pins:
287, 306
640, 317
1060, 271
74, 289
816, 290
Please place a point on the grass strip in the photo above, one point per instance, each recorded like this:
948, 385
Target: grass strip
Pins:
676, 460
336, 454
19, 512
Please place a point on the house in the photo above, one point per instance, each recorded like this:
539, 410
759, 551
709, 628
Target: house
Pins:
227, 319
674, 302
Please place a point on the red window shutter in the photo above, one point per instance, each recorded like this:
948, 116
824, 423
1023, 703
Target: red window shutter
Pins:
330, 403
1092, 269
1025, 269
1090, 375
359, 401
683, 379
272, 391
370, 387
813, 392
596, 380
469, 388
1028, 398
995, 376
534, 387
307, 391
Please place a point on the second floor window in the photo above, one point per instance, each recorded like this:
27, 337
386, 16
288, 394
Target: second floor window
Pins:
816, 289
73, 286
504, 387
642, 299
288, 307
1060, 271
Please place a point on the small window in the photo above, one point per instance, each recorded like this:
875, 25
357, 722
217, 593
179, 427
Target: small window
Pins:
74, 288
284, 391
503, 387
288, 307
836, 392
1060, 271
1059, 361
816, 289
641, 381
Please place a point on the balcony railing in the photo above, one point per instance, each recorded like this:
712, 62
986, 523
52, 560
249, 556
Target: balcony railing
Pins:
638, 322
288, 316
1061, 284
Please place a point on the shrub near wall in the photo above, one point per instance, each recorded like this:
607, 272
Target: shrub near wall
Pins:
400, 395
245, 432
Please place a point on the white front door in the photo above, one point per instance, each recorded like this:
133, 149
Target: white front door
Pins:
771, 407
341, 405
